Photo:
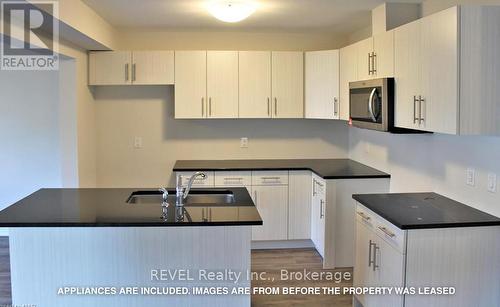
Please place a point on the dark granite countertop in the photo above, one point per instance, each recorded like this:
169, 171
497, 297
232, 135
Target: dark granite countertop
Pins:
325, 168
109, 208
424, 210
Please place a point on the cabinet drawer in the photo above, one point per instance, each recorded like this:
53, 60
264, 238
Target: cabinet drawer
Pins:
390, 233
208, 181
365, 216
270, 178
233, 179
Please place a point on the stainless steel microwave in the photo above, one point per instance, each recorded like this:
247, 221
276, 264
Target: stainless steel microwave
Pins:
371, 104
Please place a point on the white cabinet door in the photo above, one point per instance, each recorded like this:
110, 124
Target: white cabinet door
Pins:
363, 255
153, 67
272, 204
365, 49
383, 49
288, 84
318, 213
389, 272
407, 74
322, 84
439, 48
348, 73
299, 205
110, 67
254, 84
190, 84
222, 84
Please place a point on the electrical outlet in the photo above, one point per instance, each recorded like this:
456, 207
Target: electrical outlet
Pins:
244, 143
470, 177
137, 142
492, 183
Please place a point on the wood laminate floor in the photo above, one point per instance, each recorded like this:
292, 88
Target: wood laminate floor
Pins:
270, 262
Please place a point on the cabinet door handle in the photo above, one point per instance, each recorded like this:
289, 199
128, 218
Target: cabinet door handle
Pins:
126, 72
202, 107
363, 216
255, 197
335, 106
268, 107
386, 231
314, 187
210, 106
420, 118
321, 209
375, 249
414, 107
369, 63
370, 253
374, 63
275, 106
133, 72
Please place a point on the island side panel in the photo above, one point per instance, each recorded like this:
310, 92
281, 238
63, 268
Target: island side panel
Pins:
45, 259
467, 258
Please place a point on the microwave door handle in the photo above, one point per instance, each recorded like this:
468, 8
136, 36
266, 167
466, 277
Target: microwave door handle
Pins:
370, 104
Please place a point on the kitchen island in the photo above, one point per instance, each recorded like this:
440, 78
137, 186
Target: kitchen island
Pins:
123, 247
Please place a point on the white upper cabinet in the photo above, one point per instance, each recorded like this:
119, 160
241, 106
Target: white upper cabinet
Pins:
288, 84
254, 84
153, 67
364, 54
438, 107
222, 84
110, 68
426, 73
407, 79
348, 73
383, 55
376, 56
191, 84
127, 67
322, 85
447, 71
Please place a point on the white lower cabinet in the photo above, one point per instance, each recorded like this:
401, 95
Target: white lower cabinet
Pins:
272, 203
459, 257
318, 212
377, 262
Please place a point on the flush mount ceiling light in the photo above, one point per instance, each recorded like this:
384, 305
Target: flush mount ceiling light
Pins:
231, 10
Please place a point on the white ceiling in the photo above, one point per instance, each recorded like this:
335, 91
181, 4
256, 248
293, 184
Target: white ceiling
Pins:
335, 16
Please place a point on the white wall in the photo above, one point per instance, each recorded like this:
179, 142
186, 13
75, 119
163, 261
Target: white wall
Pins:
433, 6
29, 130
148, 112
437, 162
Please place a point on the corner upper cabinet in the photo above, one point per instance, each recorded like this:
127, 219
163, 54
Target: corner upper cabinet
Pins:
110, 67
288, 84
191, 84
127, 68
447, 71
348, 73
255, 84
222, 84
322, 84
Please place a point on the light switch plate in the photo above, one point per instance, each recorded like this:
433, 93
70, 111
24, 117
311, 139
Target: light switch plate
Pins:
470, 177
492, 183
244, 143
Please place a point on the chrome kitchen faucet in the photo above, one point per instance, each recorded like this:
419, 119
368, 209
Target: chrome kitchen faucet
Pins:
181, 191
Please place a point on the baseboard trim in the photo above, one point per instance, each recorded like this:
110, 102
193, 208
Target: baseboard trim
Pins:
282, 244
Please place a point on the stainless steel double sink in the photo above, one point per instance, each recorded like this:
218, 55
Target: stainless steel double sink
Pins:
212, 197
